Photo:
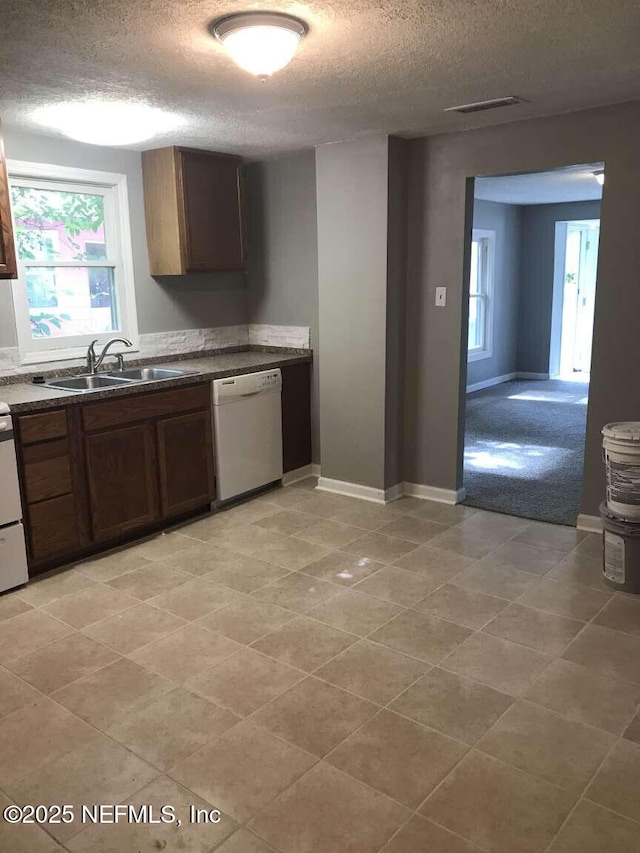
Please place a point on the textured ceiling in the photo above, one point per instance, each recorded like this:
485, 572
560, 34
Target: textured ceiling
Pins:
367, 66
575, 183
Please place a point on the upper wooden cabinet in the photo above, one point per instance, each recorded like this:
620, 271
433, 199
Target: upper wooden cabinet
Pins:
8, 268
193, 211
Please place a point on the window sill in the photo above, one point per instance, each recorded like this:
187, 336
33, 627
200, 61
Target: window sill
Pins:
478, 355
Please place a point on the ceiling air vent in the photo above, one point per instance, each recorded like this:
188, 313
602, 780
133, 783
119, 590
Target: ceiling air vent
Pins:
479, 106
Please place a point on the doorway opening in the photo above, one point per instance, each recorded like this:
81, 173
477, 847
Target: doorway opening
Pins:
532, 275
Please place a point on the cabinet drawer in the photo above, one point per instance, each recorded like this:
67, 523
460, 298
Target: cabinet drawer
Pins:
53, 527
144, 407
43, 427
47, 470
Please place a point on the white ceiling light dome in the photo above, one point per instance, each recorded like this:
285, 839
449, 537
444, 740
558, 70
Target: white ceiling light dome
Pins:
260, 42
106, 122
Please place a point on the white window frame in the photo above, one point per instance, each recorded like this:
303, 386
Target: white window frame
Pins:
113, 186
486, 350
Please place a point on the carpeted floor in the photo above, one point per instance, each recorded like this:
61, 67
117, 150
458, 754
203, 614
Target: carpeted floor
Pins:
524, 449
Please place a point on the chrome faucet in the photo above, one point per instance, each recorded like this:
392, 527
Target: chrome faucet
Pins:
94, 361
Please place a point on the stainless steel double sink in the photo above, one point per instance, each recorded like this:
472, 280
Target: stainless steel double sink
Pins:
116, 378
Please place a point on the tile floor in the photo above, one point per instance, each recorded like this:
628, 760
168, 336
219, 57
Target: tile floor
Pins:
335, 677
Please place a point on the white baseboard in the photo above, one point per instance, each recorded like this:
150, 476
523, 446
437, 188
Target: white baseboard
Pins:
433, 493
489, 383
589, 523
352, 490
300, 474
541, 376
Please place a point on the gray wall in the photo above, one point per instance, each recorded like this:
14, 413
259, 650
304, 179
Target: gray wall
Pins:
352, 192
282, 234
505, 220
536, 278
165, 304
440, 218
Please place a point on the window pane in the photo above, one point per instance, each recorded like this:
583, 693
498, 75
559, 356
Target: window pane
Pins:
67, 301
476, 322
56, 225
473, 284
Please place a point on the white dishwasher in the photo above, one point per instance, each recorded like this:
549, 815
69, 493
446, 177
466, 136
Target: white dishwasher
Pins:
247, 419
13, 557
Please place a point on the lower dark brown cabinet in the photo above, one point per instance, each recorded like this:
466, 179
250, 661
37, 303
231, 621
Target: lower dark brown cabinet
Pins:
296, 416
185, 462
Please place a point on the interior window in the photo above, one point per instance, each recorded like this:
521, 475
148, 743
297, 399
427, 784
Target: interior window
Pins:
480, 293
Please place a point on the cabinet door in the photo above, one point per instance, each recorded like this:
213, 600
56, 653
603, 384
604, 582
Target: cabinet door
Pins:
121, 479
211, 215
296, 416
185, 457
8, 267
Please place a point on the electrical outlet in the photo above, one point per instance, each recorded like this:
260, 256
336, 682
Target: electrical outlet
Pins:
441, 297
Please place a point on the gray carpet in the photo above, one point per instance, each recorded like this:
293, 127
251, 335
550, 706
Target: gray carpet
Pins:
524, 449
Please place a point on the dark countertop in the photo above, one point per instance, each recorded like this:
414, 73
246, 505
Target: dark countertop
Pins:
27, 397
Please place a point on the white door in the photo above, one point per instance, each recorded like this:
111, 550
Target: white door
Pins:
578, 306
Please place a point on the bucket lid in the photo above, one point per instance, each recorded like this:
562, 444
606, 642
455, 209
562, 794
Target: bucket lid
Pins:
622, 431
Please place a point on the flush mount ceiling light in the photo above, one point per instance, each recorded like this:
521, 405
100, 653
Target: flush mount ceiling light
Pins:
106, 122
260, 42
599, 176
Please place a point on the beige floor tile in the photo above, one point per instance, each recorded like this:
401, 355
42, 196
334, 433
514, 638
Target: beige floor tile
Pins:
563, 752
467, 543
398, 757
111, 565
248, 539
246, 620
62, 662
305, 643
591, 546
497, 663
398, 585
200, 559
537, 629
136, 627
162, 546
241, 573
458, 707
245, 842
287, 521
421, 636
11, 605
356, 612
420, 834
48, 588
591, 829
463, 606
340, 568
248, 512
413, 529
115, 691
29, 631
495, 523
296, 592
243, 770
332, 534
186, 652
209, 527
525, 557
92, 605
127, 837
576, 568
245, 682
617, 783
632, 732
607, 651
372, 671
323, 809
499, 581
327, 505
565, 599
377, 546
438, 564
292, 553
35, 734
285, 496
621, 614
97, 772
172, 727
308, 483
367, 516
585, 695
314, 715
553, 536
24, 838
149, 581
14, 693
499, 807
194, 599
442, 513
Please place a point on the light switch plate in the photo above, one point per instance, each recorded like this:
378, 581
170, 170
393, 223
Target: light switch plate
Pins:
441, 297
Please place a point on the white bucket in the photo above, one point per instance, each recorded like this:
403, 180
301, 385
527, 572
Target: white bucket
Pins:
621, 443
